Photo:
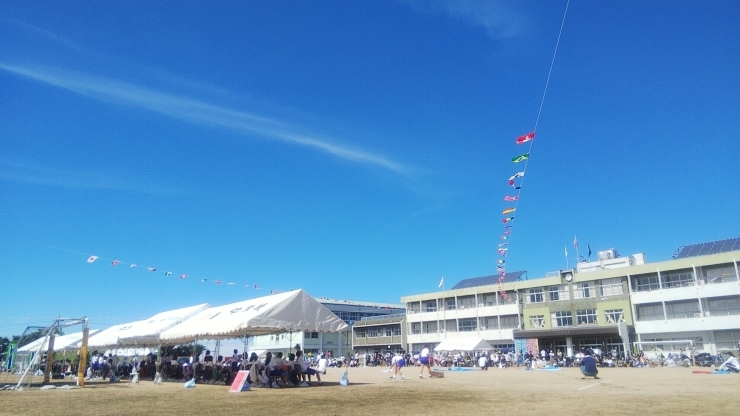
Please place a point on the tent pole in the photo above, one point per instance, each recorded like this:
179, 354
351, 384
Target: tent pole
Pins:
81, 366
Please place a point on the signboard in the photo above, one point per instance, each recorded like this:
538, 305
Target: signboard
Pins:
240, 382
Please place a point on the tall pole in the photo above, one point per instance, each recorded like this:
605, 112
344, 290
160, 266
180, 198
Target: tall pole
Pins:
83, 357
49, 357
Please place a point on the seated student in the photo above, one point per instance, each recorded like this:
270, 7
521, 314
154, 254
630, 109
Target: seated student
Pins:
207, 366
292, 370
255, 369
306, 370
274, 368
731, 364
218, 368
588, 365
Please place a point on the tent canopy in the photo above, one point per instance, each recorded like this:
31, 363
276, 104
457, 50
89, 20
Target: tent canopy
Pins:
109, 337
61, 342
289, 311
145, 332
463, 344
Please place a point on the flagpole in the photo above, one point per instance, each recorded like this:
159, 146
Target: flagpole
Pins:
566, 258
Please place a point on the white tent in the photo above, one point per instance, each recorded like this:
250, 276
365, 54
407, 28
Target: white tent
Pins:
61, 342
109, 337
295, 310
463, 344
148, 332
128, 352
145, 332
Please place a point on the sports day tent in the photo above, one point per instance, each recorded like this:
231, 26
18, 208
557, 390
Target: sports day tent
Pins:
145, 332
290, 311
148, 332
462, 344
61, 342
109, 337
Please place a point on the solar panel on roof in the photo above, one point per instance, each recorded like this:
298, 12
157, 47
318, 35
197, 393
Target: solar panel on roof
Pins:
489, 280
712, 247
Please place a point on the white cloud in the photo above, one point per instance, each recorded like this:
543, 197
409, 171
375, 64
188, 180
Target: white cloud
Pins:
195, 111
498, 20
29, 173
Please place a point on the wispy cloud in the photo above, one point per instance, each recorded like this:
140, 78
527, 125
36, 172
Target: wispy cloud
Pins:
29, 173
43, 34
196, 111
498, 19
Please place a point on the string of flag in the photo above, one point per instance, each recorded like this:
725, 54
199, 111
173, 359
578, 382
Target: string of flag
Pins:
167, 273
516, 181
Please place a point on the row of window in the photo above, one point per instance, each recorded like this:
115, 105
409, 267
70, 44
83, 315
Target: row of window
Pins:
466, 325
582, 317
375, 332
684, 309
682, 278
462, 302
585, 290
347, 316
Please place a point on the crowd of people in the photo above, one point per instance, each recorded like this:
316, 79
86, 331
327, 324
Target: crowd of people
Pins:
299, 369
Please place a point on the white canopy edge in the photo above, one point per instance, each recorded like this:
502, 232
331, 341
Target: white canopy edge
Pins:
290, 311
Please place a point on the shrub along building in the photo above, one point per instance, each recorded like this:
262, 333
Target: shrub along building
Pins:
612, 303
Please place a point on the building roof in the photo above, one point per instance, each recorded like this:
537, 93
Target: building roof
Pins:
379, 305
490, 280
712, 247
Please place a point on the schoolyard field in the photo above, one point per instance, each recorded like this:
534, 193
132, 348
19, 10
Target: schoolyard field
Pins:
512, 391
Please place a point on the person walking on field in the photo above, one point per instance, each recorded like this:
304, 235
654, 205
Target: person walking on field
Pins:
424, 358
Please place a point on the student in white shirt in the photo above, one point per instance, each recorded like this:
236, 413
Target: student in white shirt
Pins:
483, 362
425, 362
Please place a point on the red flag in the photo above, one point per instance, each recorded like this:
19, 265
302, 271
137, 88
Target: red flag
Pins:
505, 220
92, 259
525, 138
511, 198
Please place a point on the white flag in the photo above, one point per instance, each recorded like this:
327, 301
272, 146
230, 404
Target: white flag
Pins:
92, 259
441, 282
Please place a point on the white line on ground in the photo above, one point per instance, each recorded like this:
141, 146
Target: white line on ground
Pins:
591, 385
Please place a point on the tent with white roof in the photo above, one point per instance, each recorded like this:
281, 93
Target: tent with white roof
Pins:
145, 332
61, 342
290, 311
463, 344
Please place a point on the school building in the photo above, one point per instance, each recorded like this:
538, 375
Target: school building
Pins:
614, 303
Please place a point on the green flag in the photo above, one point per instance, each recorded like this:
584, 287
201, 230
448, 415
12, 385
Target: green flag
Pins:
520, 158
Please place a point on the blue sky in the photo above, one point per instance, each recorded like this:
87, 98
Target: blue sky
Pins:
358, 150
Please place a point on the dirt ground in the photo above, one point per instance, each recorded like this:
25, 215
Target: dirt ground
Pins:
619, 391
